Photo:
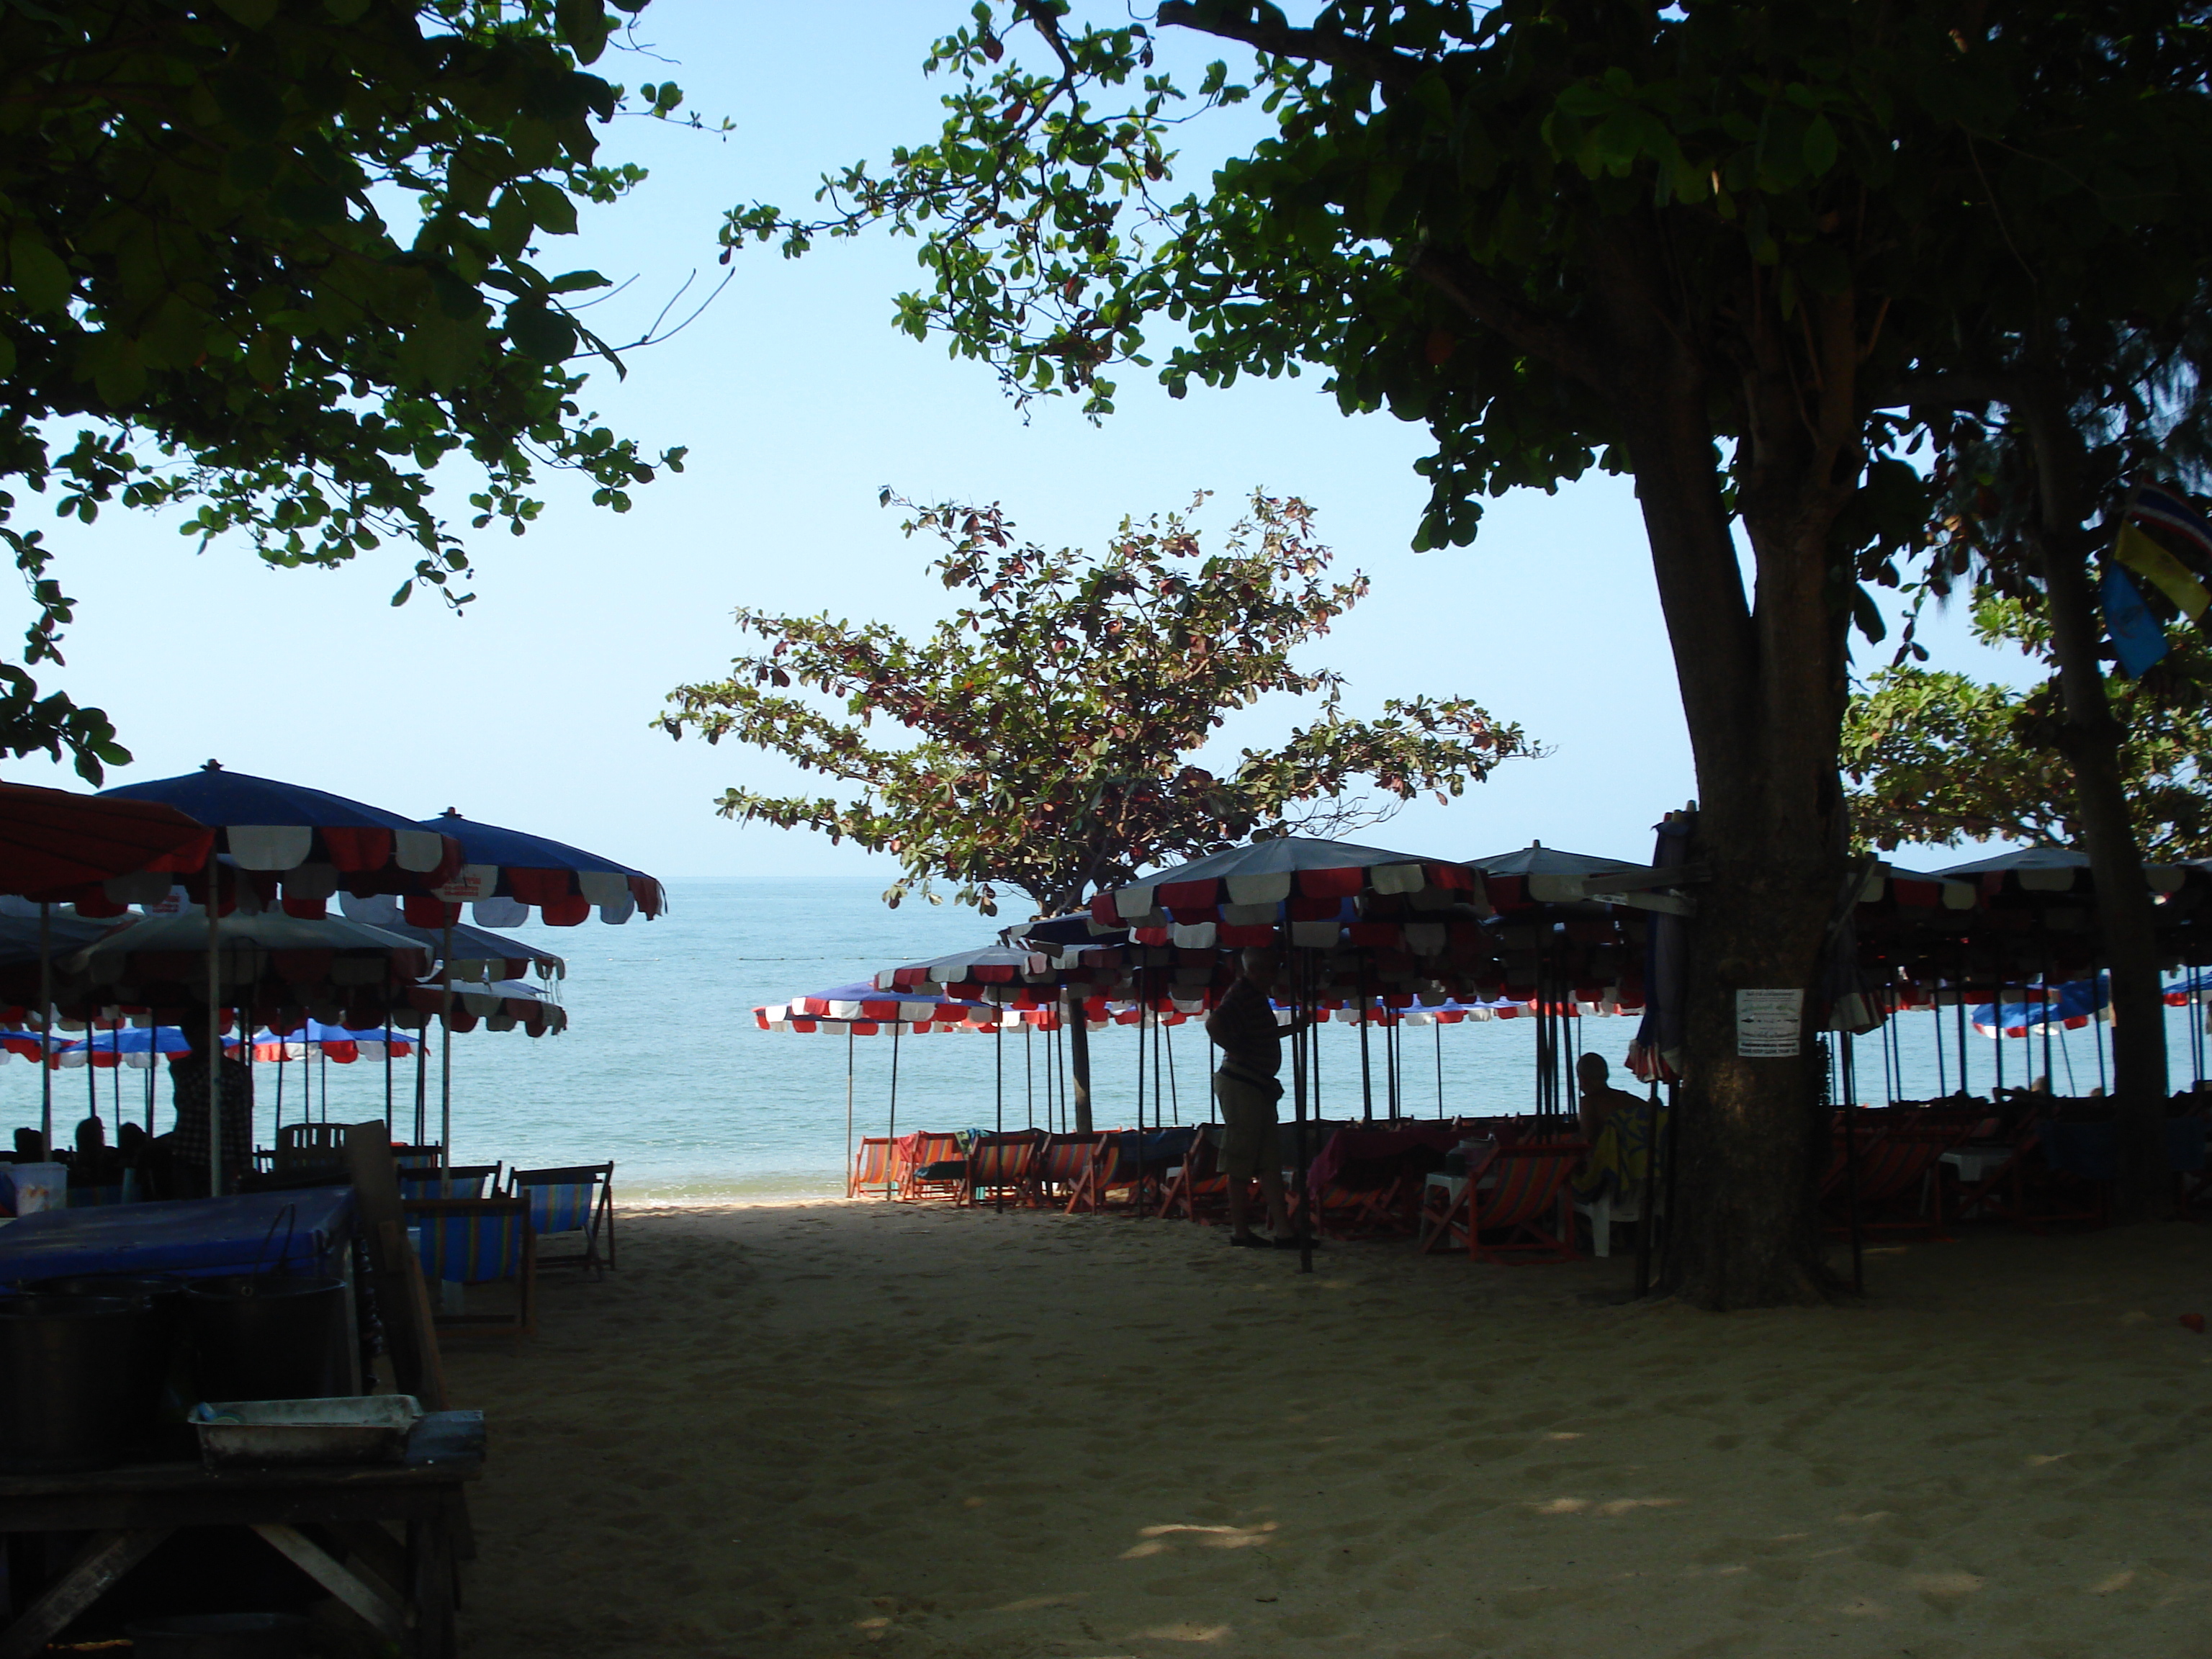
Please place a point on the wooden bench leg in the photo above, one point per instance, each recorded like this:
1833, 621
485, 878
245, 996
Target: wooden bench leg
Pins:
430, 1564
387, 1619
106, 1558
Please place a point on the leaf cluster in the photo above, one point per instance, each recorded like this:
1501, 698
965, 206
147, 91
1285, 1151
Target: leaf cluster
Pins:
277, 260
1045, 731
1938, 758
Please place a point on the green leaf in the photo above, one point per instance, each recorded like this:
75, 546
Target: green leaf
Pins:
36, 273
585, 26
1818, 146
540, 332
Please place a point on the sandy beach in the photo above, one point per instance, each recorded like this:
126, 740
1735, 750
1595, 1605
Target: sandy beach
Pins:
865, 1429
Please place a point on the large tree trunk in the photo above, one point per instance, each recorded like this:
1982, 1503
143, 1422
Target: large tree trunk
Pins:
2127, 918
1763, 695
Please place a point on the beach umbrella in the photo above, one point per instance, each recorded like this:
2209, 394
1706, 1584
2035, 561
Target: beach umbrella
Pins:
307, 843
477, 952
504, 874
862, 1009
2074, 1005
60, 847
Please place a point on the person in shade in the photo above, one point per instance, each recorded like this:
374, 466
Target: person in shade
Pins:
1599, 1099
1243, 1026
188, 1142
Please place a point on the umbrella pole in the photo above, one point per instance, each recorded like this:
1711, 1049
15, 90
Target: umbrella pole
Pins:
2097, 1026
215, 1032
851, 1037
422, 1081
1851, 1165
280, 1046
1440, 1070
387, 1073
891, 1187
1366, 1065
1942, 1083
1137, 1175
153, 1060
998, 1108
46, 1030
446, 1065
1028, 1072
1174, 1095
1301, 1049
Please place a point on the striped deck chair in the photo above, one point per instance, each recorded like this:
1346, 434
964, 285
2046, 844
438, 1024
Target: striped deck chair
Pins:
1116, 1160
936, 1168
417, 1158
1526, 1182
1197, 1189
1062, 1164
478, 1240
577, 1200
462, 1181
1003, 1167
871, 1173
1896, 1172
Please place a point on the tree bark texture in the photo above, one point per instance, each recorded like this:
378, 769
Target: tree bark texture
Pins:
2127, 916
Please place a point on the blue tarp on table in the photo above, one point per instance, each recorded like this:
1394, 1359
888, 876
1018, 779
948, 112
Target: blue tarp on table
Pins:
297, 1232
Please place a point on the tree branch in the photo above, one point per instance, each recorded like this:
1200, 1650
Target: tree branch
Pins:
1495, 306
1268, 33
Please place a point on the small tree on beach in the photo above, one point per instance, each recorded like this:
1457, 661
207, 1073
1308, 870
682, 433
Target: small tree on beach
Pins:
1048, 730
1052, 725
277, 262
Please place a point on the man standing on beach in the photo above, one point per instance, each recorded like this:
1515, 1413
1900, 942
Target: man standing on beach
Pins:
189, 1077
1244, 1027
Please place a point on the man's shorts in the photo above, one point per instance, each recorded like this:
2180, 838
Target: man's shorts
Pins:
1249, 1143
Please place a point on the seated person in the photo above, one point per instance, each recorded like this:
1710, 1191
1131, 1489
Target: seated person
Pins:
1599, 1099
1618, 1127
30, 1146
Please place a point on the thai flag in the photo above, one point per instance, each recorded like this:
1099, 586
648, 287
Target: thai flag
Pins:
2172, 512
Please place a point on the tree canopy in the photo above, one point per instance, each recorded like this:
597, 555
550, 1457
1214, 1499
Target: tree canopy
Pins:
1941, 758
1046, 733
277, 261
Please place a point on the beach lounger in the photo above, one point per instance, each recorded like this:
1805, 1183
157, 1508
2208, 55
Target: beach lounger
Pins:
1063, 1164
1003, 1167
1197, 1189
1509, 1196
417, 1158
1897, 1190
871, 1174
936, 1166
1115, 1161
576, 1200
478, 1242
462, 1181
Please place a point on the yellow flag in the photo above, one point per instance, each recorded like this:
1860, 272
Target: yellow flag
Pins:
2154, 563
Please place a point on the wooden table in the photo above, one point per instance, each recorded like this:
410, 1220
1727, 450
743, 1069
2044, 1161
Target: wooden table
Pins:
403, 1585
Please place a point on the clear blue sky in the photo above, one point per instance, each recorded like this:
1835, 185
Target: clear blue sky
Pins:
798, 401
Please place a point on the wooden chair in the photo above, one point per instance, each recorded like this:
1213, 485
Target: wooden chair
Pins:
1062, 1164
479, 1241
576, 1198
1003, 1167
935, 1167
1526, 1182
309, 1146
417, 1158
871, 1173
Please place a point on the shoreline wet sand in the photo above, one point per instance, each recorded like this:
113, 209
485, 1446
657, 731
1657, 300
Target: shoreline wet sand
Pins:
857, 1428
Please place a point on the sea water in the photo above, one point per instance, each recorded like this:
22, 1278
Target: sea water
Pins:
663, 1070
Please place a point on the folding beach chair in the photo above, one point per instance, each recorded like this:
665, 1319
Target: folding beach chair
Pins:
417, 1157
1897, 1157
871, 1174
577, 1200
1197, 1188
1509, 1194
1003, 1167
462, 1181
936, 1168
1062, 1164
475, 1241
1117, 1160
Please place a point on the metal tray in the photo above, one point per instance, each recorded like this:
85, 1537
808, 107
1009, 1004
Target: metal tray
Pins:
273, 1433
